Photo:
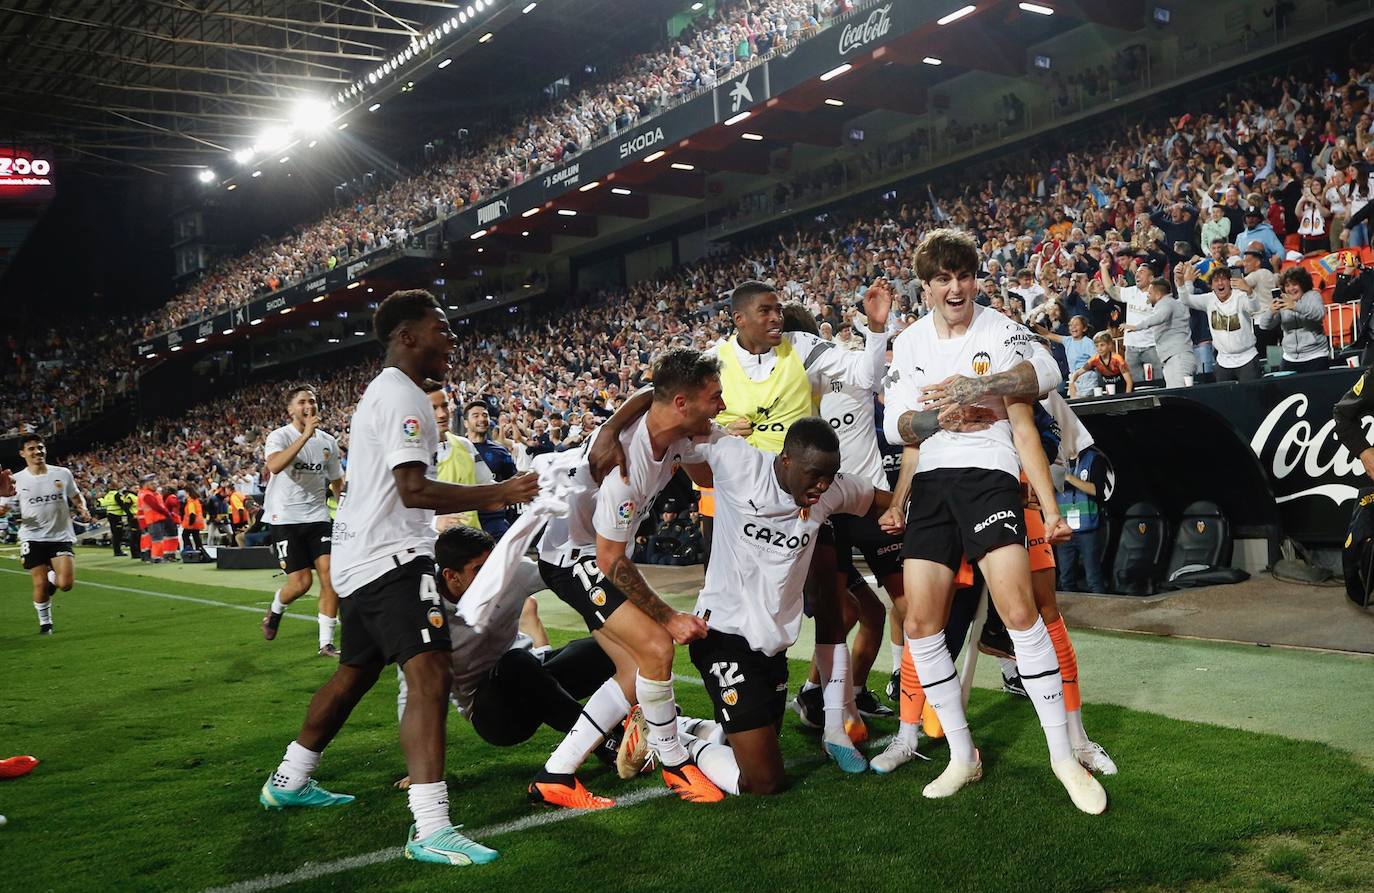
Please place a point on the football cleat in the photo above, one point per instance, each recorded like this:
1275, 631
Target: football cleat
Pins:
894, 686
955, 777
995, 640
447, 847
810, 708
329, 651
270, 622
13, 767
45, 629
555, 789
1012, 686
847, 757
1084, 790
930, 722
856, 730
633, 756
1094, 758
691, 784
309, 795
897, 754
868, 704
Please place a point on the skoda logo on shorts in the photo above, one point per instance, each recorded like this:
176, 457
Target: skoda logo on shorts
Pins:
598, 596
730, 697
436, 618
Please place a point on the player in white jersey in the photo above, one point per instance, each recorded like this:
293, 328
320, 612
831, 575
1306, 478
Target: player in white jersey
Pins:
584, 561
305, 466
42, 496
384, 573
966, 500
769, 512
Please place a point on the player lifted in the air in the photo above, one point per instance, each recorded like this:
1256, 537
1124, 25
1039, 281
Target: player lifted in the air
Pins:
42, 496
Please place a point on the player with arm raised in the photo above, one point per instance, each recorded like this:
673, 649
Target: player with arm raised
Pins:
304, 462
966, 500
584, 560
42, 496
383, 570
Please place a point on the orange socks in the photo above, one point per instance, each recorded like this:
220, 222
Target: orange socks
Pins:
1068, 663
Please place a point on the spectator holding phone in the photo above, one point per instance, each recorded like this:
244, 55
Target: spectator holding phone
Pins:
1296, 307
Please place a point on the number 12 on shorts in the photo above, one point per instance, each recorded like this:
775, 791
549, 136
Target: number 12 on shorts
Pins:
727, 673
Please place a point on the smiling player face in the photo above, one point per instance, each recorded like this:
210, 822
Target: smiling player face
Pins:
950, 296
760, 323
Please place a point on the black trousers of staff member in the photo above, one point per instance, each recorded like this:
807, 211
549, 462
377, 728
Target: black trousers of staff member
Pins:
117, 535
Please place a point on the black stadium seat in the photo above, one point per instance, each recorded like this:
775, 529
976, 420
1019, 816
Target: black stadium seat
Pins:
1140, 551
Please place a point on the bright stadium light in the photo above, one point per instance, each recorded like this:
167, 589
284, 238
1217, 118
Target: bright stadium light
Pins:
477, 235
272, 138
257, 173
463, 17
470, 11
956, 15
227, 332
696, 7
243, 156
313, 144
310, 115
485, 37
529, 8
374, 106
931, 60
372, 77
1036, 8
206, 176
567, 212
530, 213
200, 340
343, 126
446, 63
588, 187
283, 159
751, 136
835, 102
231, 187
524, 232
836, 71
680, 166
655, 156
620, 190
735, 119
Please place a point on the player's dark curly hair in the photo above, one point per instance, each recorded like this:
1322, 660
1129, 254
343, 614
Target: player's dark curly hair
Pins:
946, 251
460, 544
400, 307
745, 293
682, 369
811, 434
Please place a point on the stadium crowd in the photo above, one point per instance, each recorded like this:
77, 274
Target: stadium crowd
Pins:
52, 378
1065, 236
716, 46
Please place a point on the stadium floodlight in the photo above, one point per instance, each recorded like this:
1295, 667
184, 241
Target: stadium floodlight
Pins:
359, 334
343, 126
285, 310
931, 60
530, 213
1036, 8
176, 348
318, 299
200, 340
470, 11
243, 156
735, 119
835, 102
227, 332
567, 212
529, 8
350, 285
372, 77
477, 235
272, 138
448, 26
313, 144
620, 190
751, 136
463, 17
433, 36
374, 106
231, 187
485, 37
836, 72
309, 115
446, 63
151, 356
524, 232
655, 156
680, 166
283, 159
957, 14
206, 176
588, 187
257, 173
453, 21
255, 322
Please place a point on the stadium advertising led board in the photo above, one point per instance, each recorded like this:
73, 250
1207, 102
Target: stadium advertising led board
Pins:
26, 175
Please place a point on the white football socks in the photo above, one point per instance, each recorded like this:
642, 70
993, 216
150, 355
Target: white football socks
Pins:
605, 709
717, 762
1039, 668
429, 805
327, 625
277, 606
935, 669
296, 767
705, 729
660, 713
832, 663
44, 610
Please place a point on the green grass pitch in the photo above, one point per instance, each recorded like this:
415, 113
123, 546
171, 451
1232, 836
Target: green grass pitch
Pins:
157, 720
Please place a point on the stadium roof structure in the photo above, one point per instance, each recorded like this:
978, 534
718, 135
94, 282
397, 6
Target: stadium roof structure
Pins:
149, 86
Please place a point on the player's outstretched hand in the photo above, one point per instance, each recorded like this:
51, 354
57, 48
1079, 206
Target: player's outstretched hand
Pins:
957, 390
6, 482
1057, 530
877, 305
892, 522
520, 489
605, 456
686, 628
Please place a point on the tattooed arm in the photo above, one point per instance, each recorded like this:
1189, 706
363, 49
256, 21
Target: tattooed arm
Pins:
1027, 380
617, 567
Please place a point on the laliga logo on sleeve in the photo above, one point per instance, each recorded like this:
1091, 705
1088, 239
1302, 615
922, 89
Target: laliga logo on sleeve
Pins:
411, 428
625, 511
982, 362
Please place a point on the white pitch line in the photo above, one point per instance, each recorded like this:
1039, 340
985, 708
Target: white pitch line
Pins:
180, 598
310, 871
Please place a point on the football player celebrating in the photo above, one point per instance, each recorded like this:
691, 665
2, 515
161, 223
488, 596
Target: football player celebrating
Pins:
43, 496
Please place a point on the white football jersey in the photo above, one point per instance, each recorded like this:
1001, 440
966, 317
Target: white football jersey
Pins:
474, 653
849, 410
992, 344
296, 494
761, 544
43, 504
393, 425
615, 509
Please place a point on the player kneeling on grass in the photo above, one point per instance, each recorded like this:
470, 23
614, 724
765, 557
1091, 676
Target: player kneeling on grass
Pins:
966, 499
769, 512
